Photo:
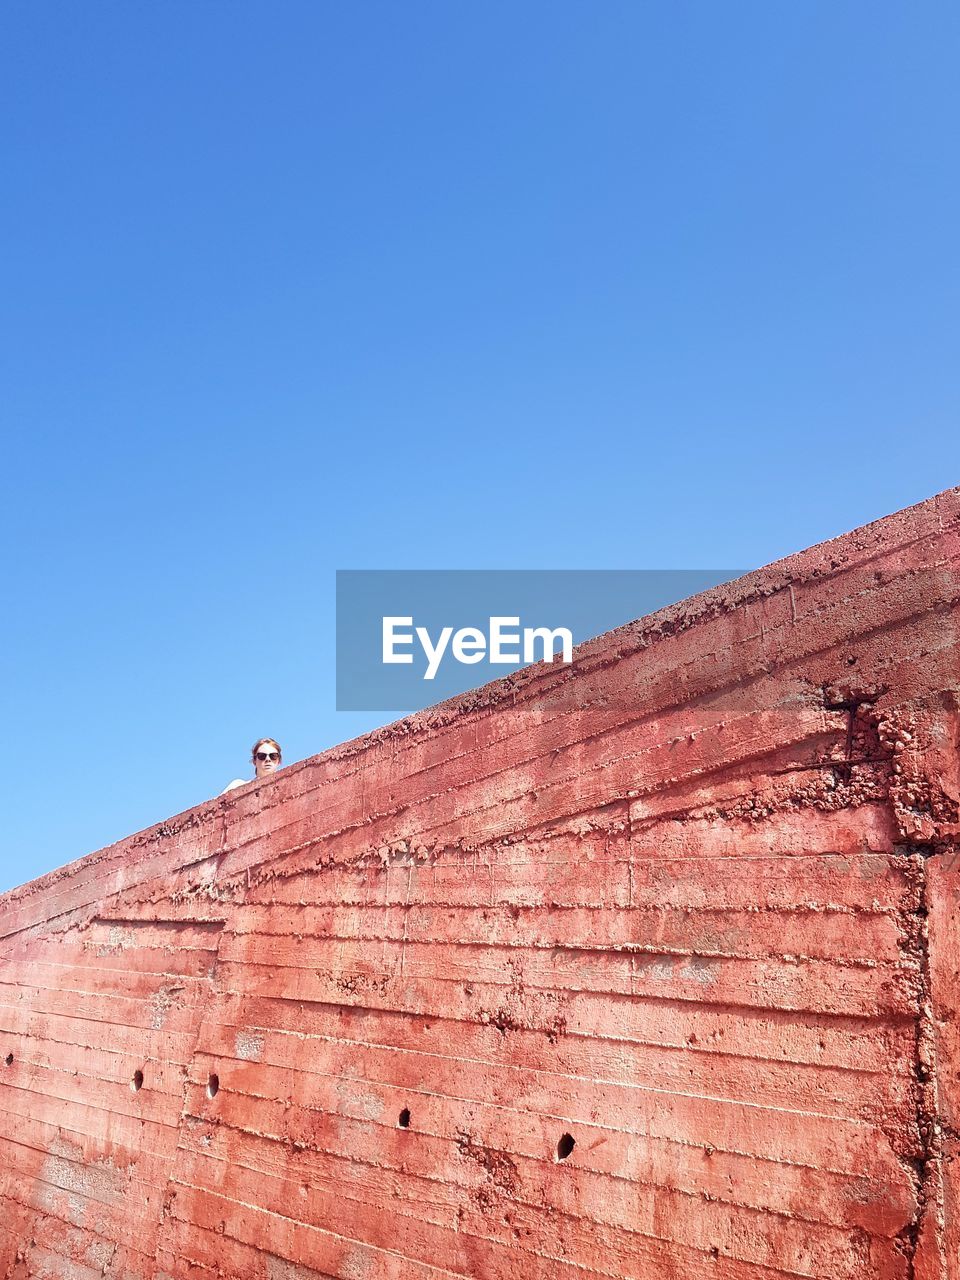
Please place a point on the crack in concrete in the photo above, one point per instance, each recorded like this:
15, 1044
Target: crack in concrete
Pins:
925, 1168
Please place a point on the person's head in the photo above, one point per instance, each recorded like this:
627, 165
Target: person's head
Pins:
266, 757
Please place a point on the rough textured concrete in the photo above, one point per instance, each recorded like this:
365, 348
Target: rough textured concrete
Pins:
644, 968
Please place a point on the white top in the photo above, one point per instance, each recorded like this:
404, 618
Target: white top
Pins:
237, 782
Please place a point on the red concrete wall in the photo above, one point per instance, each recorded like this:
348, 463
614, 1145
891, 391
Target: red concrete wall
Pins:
656, 958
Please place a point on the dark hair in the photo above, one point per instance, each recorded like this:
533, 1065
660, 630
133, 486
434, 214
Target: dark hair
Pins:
264, 742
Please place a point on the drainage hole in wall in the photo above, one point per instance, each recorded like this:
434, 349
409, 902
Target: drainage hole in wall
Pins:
213, 1086
9, 1059
565, 1146
404, 1120
136, 1084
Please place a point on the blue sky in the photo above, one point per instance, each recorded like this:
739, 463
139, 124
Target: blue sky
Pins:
296, 287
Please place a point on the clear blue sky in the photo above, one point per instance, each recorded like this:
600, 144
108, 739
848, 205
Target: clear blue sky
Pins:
295, 287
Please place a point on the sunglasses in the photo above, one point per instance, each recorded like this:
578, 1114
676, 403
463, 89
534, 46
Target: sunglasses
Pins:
263, 756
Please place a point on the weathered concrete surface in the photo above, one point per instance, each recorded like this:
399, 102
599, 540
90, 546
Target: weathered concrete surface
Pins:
646, 968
